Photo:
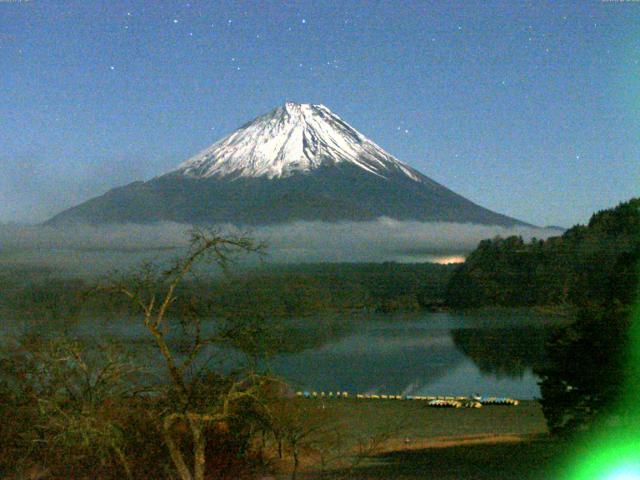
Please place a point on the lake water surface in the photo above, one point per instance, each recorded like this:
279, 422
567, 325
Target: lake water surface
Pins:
488, 353
492, 354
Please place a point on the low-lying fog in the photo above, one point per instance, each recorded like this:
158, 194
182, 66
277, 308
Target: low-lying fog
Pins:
95, 249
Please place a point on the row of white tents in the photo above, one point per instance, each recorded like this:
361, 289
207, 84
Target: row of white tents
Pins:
451, 402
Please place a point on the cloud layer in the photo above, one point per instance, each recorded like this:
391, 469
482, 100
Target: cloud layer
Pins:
381, 240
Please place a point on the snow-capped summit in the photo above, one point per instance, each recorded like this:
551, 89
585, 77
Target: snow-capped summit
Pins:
300, 162
292, 138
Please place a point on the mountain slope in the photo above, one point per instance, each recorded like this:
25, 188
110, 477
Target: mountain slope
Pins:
299, 162
292, 138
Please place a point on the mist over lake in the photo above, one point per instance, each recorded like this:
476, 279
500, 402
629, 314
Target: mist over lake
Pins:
96, 250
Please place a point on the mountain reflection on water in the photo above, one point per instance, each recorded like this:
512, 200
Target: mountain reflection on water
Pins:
433, 353
419, 354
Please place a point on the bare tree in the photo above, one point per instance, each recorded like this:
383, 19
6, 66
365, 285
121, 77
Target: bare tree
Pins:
153, 293
63, 385
295, 426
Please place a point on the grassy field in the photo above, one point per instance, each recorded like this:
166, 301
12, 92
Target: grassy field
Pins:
533, 459
415, 420
416, 442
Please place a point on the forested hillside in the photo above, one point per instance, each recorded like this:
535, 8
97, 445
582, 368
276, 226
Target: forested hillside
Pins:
568, 269
282, 291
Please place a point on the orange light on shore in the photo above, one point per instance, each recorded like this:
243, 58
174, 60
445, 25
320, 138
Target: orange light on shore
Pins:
450, 259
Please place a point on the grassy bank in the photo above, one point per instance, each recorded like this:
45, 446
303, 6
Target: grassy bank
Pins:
511, 459
415, 420
390, 439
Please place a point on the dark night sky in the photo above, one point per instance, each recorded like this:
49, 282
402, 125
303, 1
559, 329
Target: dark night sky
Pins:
528, 108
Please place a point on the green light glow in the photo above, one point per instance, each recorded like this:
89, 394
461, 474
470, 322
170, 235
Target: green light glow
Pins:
613, 458
625, 473
613, 453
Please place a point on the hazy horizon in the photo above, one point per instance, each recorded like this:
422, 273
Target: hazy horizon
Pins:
99, 249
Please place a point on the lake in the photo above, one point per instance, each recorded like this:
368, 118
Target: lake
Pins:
488, 353
492, 354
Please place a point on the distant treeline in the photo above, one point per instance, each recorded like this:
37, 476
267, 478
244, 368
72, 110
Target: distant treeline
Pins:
285, 291
569, 269
311, 288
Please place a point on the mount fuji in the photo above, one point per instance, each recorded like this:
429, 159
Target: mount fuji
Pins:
298, 162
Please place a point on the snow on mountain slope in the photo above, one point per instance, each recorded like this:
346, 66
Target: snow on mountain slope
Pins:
299, 162
292, 138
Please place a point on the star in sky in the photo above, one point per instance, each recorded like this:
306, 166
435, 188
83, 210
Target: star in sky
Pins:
412, 78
